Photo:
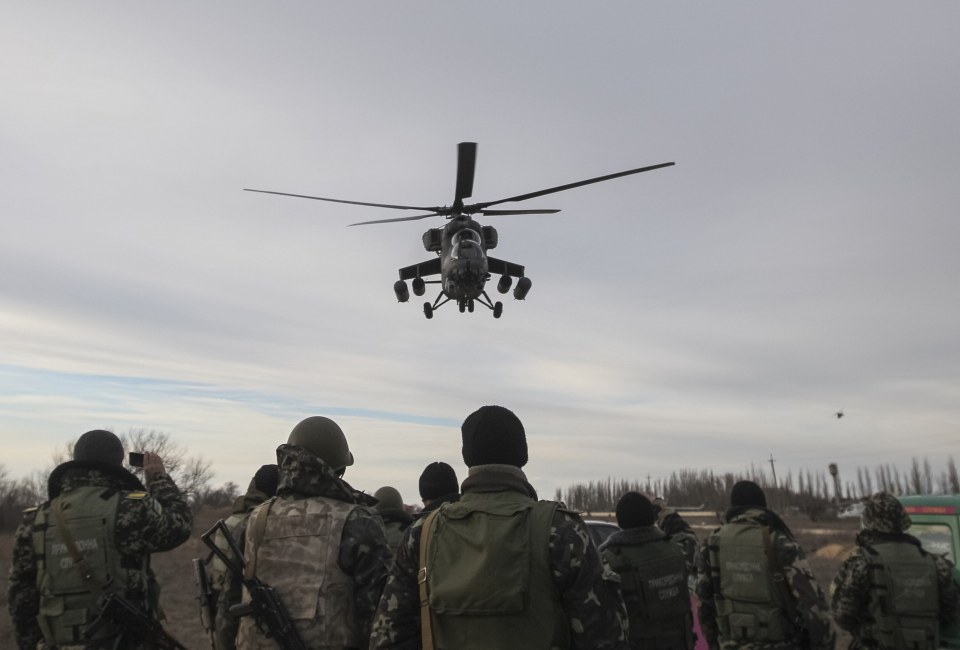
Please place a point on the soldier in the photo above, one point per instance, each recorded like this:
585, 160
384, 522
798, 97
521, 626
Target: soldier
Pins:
756, 590
320, 544
499, 569
890, 594
653, 578
93, 539
395, 518
226, 587
680, 533
438, 485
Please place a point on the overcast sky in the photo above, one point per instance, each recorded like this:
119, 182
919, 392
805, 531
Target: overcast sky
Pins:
800, 258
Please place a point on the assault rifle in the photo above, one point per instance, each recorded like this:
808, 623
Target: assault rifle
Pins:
137, 630
265, 605
207, 599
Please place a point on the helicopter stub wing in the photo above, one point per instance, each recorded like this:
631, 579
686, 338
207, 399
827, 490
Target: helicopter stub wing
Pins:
500, 267
431, 267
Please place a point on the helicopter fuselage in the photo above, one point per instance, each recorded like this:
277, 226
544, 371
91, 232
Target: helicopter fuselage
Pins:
463, 258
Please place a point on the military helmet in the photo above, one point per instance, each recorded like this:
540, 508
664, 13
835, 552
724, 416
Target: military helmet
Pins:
323, 438
99, 446
388, 499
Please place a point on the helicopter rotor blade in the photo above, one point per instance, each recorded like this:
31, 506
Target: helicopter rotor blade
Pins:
500, 213
569, 186
466, 165
375, 205
414, 218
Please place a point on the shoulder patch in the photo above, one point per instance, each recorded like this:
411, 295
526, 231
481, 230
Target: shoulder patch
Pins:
29, 511
135, 495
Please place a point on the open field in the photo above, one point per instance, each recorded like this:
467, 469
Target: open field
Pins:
826, 543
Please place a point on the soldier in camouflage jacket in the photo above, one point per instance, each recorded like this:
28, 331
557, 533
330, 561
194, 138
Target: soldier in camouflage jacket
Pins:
809, 624
331, 604
593, 614
147, 520
884, 523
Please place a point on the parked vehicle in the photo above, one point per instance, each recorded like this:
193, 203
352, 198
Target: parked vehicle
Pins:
936, 523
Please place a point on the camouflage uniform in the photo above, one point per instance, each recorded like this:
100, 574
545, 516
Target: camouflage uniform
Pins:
808, 600
680, 533
884, 522
666, 626
225, 625
363, 554
159, 520
587, 588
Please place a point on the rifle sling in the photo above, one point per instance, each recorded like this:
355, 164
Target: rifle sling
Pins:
426, 623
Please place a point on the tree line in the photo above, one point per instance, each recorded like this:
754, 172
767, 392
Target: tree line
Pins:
192, 474
810, 492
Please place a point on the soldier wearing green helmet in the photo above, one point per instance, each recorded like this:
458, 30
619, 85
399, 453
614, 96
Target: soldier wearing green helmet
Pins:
319, 543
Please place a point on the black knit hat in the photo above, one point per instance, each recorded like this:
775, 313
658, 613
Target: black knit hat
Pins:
437, 480
493, 435
266, 479
99, 446
635, 510
748, 493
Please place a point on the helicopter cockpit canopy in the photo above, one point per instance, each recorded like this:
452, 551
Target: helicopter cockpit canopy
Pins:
466, 244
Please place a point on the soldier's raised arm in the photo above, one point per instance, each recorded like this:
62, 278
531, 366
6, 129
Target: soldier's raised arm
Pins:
158, 519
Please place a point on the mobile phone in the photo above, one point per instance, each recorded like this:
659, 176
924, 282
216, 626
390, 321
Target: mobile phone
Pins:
135, 459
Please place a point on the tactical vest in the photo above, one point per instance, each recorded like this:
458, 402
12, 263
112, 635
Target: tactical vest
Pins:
904, 602
653, 581
489, 577
752, 598
68, 601
293, 545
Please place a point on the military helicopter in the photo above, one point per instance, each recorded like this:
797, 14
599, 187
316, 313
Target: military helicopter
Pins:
462, 244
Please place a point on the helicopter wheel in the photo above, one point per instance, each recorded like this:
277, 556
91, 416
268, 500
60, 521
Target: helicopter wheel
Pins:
428, 310
463, 306
470, 306
497, 309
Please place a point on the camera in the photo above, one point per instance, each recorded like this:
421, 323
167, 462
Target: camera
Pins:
135, 459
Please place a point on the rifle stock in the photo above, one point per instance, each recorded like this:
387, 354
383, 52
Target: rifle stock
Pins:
136, 628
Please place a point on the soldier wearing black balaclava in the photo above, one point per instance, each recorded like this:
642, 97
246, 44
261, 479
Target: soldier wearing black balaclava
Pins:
499, 568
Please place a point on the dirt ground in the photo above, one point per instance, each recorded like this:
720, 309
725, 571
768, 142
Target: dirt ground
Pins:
826, 544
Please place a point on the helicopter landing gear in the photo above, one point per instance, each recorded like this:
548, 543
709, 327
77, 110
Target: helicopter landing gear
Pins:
462, 305
497, 309
470, 306
503, 285
428, 310
400, 289
419, 286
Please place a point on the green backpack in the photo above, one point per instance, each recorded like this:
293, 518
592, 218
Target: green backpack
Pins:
904, 600
753, 604
653, 581
488, 574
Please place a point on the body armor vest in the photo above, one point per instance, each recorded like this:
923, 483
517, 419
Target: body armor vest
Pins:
489, 577
653, 581
68, 599
904, 602
753, 604
293, 545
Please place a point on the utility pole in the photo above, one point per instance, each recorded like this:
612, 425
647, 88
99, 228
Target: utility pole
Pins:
774, 471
